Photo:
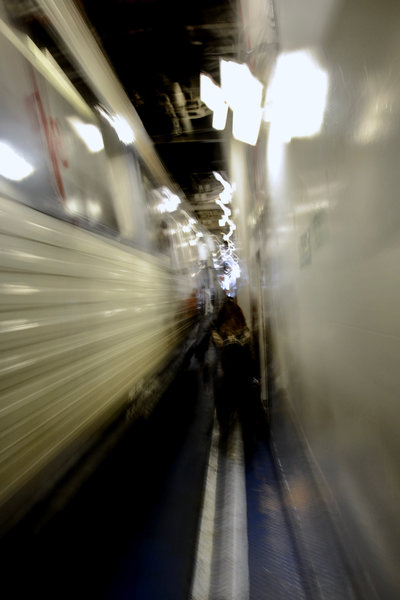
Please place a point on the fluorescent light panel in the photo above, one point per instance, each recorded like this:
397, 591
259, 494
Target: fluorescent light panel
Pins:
243, 93
211, 95
296, 97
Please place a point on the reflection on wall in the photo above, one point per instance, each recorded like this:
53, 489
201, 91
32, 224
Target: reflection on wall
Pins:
330, 251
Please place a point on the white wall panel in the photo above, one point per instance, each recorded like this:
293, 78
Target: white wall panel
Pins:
331, 251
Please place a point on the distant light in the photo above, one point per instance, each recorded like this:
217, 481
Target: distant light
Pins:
228, 281
120, 125
192, 242
219, 178
89, 134
296, 97
211, 94
169, 201
227, 211
243, 93
232, 228
225, 198
186, 228
226, 195
12, 165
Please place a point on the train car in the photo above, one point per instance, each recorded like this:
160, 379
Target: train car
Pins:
99, 252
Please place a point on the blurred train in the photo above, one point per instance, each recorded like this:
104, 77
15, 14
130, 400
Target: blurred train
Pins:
99, 253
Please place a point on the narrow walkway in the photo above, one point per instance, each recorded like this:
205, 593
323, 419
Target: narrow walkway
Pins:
176, 511
221, 568
245, 548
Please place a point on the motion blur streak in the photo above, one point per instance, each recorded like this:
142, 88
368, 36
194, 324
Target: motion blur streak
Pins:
100, 284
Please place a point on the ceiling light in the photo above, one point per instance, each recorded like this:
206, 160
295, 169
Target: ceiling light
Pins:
243, 93
296, 97
211, 94
239, 86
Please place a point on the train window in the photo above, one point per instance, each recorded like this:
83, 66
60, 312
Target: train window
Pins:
127, 190
53, 153
161, 226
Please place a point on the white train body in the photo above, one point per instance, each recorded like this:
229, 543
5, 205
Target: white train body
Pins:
95, 263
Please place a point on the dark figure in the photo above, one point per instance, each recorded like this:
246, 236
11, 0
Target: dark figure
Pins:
232, 336
191, 309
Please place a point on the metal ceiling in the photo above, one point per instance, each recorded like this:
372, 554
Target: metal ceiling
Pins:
158, 50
